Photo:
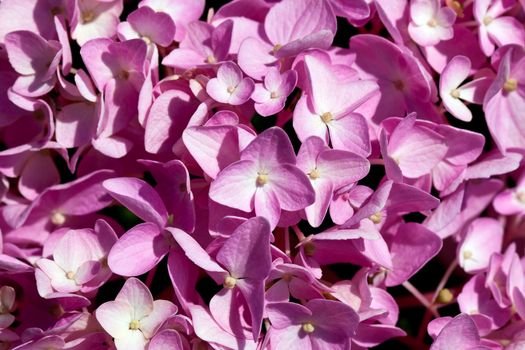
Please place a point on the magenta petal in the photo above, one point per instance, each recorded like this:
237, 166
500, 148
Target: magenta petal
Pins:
412, 247
144, 240
39, 173
246, 254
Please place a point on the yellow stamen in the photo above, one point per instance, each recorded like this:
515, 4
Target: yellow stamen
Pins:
134, 325
314, 174
327, 117
230, 89
274, 95
455, 93
276, 48
432, 23
467, 254
229, 282
445, 296
510, 85
487, 20
211, 59
58, 219
70, 275
262, 179
308, 327
376, 218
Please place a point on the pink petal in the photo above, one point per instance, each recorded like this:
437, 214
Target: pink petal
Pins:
246, 254
144, 240
166, 339
157, 26
316, 212
350, 133
114, 317
238, 178
38, 174
29, 53
271, 147
162, 310
267, 205
484, 237
302, 18
413, 246
139, 197
242, 92
255, 58
87, 271
76, 124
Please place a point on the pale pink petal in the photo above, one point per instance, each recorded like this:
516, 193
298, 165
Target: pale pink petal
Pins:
255, 58
291, 186
133, 340
272, 147
316, 212
239, 178
162, 310
267, 205
302, 18
242, 92
350, 133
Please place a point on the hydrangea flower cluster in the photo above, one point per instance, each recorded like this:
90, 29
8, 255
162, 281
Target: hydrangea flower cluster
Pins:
264, 174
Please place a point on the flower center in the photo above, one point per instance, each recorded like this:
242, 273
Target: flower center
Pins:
124, 75
432, 23
376, 218
327, 117
276, 48
230, 89
70, 275
287, 277
520, 196
309, 249
314, 174
308, 327
455, 93
467, 254
58, 219
510, 85
274, 95
262, 178
88, 16
399, 84
134, 325
146, 39
229, 282
445, 296
487, 20
211, 59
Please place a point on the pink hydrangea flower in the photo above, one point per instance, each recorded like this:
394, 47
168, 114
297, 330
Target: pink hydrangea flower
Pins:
430, 23
133, 317
229, 86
